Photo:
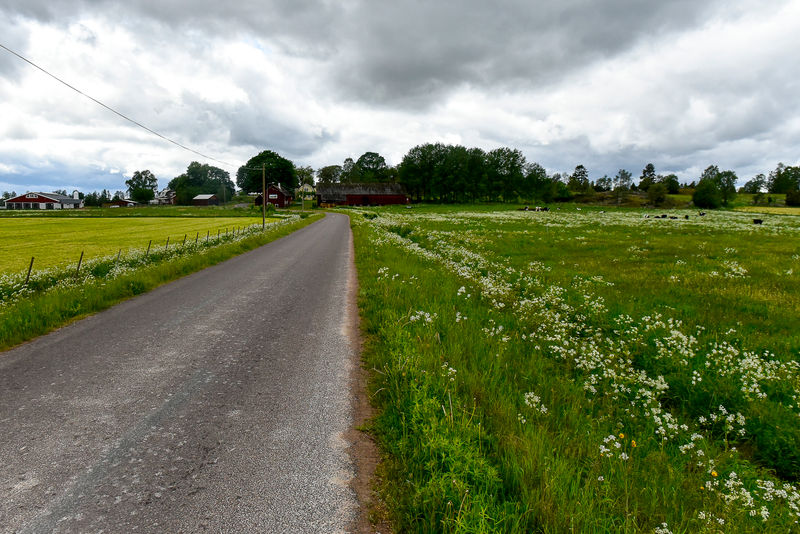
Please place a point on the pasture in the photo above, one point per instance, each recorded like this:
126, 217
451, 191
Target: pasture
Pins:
56, 241
771, 209
583, 371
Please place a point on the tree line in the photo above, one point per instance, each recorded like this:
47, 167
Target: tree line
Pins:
436, 172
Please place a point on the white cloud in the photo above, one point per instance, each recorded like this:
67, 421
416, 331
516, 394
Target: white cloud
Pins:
682, 84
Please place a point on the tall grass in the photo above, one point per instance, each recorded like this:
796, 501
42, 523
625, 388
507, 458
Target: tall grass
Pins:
55, 296
584, 371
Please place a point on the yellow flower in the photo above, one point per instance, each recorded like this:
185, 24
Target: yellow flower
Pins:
633, 443
713, 473
621, 435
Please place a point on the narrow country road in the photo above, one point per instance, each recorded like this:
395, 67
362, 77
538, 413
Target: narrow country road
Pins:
216, 403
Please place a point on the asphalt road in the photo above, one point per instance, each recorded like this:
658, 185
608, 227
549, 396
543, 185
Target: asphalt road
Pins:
216, 403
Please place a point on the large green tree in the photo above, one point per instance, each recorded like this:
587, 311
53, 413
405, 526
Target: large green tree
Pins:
202, 179
350, 172
648, 177
418, 169
142, 186
755, 185
726, 181
305, 175
783, 179
707, 194
579, 180
671, 183
329, 174
505, 170
277, 169
372, 168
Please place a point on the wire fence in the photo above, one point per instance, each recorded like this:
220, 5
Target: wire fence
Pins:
21, 284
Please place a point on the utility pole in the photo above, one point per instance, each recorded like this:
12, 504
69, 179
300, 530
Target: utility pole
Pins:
263, 196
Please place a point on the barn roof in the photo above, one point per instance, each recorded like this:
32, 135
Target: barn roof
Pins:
62, 199
373, 188
342, 190
204, 197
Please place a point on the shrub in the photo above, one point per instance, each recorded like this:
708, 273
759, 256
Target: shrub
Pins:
793, 198
657, 194
707, 195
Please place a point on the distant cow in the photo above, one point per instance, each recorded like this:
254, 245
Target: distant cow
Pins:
686, 217
758, 221
702, 214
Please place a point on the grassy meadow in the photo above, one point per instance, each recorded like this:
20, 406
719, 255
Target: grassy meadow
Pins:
55, 241
583, 370
771, 209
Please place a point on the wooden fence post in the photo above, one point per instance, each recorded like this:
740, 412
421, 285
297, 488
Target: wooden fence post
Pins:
30, 267
167, 245
184, 240
79, 264
118, 253
196, 238
147, 254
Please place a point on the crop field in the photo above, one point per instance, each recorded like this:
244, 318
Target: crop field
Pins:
55, 241
583, 371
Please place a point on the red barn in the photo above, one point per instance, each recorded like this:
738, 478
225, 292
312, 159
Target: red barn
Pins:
370, 194
44, 201
205, 200
277, 196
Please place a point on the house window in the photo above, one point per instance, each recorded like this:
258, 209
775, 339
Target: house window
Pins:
31, 195
26, 205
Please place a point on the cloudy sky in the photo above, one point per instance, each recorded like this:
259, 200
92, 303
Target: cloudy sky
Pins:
607, 84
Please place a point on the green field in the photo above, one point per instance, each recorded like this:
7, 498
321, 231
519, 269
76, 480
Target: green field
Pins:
581, 370
57, 241
769, 209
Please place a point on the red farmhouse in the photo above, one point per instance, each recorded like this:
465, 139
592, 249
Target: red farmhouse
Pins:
277, 196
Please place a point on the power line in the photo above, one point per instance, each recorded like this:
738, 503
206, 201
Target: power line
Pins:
109, 108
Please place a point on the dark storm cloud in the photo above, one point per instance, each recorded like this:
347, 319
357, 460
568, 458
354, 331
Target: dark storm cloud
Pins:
408, 54
298, 24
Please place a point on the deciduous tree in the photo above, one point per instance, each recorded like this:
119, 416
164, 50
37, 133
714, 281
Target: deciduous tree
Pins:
142, 186
648, 177
372, 167
329, 174
202, 179
278, 170
579, 180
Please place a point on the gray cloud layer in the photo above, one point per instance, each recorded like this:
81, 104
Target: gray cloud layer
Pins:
409, 53
411, 58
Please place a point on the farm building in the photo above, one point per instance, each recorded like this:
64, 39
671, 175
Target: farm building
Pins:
276, 195
306, 191
165, 197
121, 203
371, 194
205, 200
44, 201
